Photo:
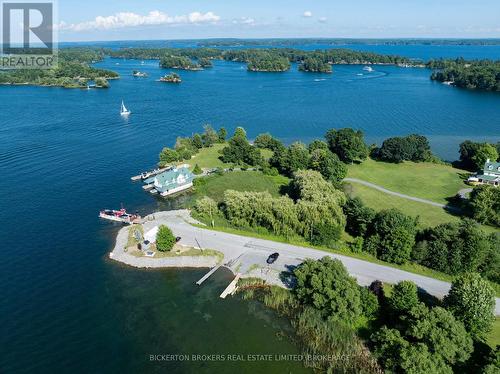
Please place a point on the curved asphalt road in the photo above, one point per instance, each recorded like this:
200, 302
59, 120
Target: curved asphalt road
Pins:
255, 251
385, 190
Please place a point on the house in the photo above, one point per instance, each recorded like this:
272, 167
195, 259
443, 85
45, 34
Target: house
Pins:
171, 181
490, 175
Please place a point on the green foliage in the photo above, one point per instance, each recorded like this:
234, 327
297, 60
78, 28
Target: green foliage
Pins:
222, 134
240, 151
326, 285
197, 170
260, 209
348, 144
167, 156
404, 297
454, 247
178, 62
311, 64
268, 62
485, 204
289, 160
369, 302
472, 301
197, 141
391, 236
478, 74
325, 337
328, 164
205, 62
358, 217
474, 155
266, 141
317, 144
429, 340
165, 240
206, 207
209, 136
410, 148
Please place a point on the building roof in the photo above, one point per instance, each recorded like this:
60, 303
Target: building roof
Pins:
172, 179
491, 168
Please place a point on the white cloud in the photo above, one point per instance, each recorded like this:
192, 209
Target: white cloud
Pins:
244, 21
129, 19
307, 14
322, 19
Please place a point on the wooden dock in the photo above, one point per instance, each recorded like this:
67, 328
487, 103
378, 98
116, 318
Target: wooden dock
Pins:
231, 288
207, 275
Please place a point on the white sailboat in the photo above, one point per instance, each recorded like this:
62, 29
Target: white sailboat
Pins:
124, 111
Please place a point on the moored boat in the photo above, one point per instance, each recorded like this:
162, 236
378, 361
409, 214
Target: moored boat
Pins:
119, 216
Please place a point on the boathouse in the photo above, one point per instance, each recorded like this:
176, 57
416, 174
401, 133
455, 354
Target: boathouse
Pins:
172, 181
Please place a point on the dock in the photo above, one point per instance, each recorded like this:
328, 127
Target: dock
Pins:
231, 288
207, 275
151, 173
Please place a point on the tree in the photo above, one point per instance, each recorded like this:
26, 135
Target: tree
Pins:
297, 158
222, 134
165, 240
240, 151
358, 217
326, 285
472, 300
168, 155
209, 136
348, 144
392, 236
485, 204
483, 153
317, 144
397, 149
266, 141
404, 297
369, 302
453, 247
206, 207
328, 164
197, 170
197, 141
473, 155
429, 341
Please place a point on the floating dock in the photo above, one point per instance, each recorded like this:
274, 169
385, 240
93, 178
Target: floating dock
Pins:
231, 288
207, 275
151, 173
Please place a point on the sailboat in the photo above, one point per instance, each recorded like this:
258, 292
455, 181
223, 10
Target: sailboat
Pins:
124, 111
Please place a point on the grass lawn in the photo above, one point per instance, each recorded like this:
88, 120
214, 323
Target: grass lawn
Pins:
493, 338
429, 215
214, 186
423, 179
208, 158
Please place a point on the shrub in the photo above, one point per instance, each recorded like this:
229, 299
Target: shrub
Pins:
472, 301
165, 240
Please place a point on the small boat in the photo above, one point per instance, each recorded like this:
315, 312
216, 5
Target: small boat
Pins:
119, 216
124, 111
139, 74
368, 68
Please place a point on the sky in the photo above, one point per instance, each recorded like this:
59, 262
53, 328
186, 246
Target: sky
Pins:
95, 20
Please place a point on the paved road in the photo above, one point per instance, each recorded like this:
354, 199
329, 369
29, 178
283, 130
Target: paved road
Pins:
250, 252
385, 190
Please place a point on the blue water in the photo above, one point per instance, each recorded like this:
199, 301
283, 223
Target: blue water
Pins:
65, 154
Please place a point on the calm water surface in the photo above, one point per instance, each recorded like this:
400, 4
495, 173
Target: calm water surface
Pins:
65, 154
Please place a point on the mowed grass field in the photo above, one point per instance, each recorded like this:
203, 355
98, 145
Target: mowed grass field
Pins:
208, 158
426, 180
429, 215
215, 186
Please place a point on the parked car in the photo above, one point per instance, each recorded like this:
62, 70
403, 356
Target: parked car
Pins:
272, 258
177, 238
